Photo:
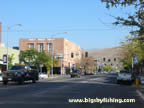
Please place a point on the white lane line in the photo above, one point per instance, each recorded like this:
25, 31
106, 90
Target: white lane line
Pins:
140, 94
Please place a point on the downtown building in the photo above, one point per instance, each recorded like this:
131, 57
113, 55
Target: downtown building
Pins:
106, 56
67, 52
3, 51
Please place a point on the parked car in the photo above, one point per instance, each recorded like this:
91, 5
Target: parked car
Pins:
89, 73
125, 76
76, 73
43, 75
0, 77
142, 80
20, 73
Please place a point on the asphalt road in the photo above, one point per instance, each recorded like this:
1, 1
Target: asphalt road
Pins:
53, 93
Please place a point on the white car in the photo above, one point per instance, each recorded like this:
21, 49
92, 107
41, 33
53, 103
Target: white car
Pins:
43, 76
142, 79
124, 76
1, 77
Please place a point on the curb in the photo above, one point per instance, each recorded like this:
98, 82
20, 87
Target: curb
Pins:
140, 94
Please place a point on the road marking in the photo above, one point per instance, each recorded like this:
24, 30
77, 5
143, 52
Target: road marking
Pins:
140, 94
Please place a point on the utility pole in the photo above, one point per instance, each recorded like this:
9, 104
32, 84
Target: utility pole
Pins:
52, 52
132, 65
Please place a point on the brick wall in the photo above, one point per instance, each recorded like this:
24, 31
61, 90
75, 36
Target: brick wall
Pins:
61, 46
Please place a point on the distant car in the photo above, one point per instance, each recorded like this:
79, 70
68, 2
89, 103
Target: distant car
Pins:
76, 73
89, 73
43, 75
125, 76
1, 77
142, 79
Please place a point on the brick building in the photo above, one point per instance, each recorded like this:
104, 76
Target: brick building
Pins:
68, 52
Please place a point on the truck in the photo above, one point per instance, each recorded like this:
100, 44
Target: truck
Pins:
125, 76
20, 73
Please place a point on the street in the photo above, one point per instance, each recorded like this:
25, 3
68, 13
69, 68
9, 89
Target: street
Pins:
56, 92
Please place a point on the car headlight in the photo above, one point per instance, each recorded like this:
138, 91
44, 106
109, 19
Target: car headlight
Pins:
4, 74
17, 74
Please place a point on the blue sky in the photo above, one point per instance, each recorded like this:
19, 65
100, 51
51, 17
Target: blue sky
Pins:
87, 22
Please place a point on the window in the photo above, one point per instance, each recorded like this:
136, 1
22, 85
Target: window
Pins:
50, 47
78, 53
72, 55
96, 60
109, 60
86, 54
104, 59
40, 47
114, 59
31, 45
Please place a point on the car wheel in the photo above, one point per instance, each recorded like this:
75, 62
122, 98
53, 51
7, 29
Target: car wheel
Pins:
5, 82
21, 81
33, 80
118, 82
130, 82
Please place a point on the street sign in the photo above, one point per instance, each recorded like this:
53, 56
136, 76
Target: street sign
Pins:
135, 59
4, 59
41, 65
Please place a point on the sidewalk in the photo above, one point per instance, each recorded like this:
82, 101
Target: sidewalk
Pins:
140, 91
57, 76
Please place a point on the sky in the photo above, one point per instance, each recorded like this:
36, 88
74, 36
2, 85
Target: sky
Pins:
87, 22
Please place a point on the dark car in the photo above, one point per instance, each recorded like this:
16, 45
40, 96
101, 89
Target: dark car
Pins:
88, 73
20, 73
76, 73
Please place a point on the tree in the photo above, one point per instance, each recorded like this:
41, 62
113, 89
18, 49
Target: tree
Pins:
88, 64
10, 60
129, 50
29, 56
107, 68
135, 20
35, 58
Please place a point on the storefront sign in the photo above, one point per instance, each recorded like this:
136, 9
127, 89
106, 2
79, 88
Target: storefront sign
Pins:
4, 59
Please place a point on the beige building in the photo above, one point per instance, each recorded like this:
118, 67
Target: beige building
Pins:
106, 56
68, 52
3, 51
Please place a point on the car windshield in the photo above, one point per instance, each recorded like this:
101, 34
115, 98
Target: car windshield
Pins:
75, 72
17, 68
125, 72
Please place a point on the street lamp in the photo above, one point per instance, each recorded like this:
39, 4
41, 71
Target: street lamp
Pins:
8, 28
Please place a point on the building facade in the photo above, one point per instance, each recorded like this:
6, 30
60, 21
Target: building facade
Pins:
68, 52
106, 56
3, 51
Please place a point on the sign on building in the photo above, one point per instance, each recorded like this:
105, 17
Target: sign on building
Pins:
4, 59
135, 59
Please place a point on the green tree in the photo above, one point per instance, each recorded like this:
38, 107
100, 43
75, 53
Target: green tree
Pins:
107, 68
136, 19
10, 60
35, 58
29, 56
129, 49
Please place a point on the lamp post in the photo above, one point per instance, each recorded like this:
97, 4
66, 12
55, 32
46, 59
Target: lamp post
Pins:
52, 50
8, 28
